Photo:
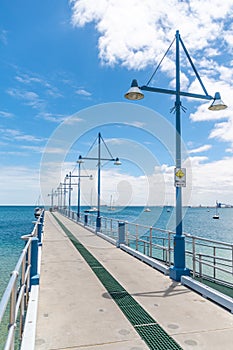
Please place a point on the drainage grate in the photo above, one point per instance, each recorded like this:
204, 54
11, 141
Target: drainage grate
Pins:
156, 338
148, 329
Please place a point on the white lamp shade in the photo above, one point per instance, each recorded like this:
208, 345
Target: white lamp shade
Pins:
134, 92
217, 104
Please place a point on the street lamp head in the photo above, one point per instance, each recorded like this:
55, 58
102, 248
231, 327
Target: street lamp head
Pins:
80, 160
217, 104
91, 177
117, 162
134, 92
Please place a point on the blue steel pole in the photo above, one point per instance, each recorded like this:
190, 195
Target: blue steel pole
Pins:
78, 213
179, 268
60, 195
98, 220
64, 193
134, 93
34, 276
69, 192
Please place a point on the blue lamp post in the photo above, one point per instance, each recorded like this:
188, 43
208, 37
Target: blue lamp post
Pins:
52, 194
59, 193
135, 93
99, 159
79, 161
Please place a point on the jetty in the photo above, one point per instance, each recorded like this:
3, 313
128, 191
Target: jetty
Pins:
93, 295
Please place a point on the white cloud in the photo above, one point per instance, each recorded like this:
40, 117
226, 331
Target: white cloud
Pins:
26, 95
6, 114
27, 79
30, 98
55, 118
83, 92
212, 181
136, 34
36, 149
206, 183
21, 180
223, 131
14, 134
200, 149
3, 36
35, 81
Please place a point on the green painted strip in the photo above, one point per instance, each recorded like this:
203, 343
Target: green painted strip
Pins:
221, 288
148, 329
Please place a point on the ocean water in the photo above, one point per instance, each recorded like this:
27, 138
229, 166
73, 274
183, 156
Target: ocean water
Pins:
16, 221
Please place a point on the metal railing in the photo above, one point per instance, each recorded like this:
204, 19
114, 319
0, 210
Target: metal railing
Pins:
14, 302
204, 257
210, 259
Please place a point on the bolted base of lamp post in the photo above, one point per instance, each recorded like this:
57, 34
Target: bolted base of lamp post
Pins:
98, 223
176, 273
179, 268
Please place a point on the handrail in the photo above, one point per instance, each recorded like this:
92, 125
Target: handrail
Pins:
147, 238
17, 297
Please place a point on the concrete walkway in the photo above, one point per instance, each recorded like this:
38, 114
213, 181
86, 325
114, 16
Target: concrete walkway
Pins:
76, 312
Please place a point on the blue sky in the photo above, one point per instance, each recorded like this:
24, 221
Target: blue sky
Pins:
65, 66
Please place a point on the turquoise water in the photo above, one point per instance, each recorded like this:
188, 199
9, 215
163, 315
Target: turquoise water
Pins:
15, 221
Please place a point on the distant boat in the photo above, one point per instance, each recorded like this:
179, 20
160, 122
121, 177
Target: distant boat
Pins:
168, 209
111, 208
147, 210
91, 210
216, 215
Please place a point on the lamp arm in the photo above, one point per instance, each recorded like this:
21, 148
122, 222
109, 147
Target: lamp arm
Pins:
80, 176
173, 92
112, 159
193, 67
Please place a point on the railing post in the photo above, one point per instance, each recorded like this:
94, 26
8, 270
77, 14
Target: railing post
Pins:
232, 258
127, 233
164, 258
169, 248
136, 236
150, 242
105, 226
121, 234
13, 308
22, 304
214, 251
42, 217
111, 227
200, 266
34, 277
85, 220
98, 223
39, 232
194, 256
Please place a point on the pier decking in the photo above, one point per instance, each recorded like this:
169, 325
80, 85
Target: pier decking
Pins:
77, 311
